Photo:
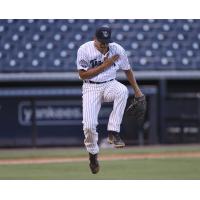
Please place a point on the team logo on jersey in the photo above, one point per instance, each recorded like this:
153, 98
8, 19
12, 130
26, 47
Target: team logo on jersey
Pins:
95, 62
105, 34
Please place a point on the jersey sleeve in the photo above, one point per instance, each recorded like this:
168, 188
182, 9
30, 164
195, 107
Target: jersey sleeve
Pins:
82, 61
123, 61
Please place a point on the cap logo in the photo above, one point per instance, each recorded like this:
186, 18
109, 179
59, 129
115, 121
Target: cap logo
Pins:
105, 34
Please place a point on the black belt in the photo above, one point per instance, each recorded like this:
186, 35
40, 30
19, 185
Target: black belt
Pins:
88, 81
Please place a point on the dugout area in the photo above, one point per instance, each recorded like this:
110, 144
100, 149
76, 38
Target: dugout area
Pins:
45, 109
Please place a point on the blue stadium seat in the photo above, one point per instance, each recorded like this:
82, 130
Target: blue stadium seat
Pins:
35, 45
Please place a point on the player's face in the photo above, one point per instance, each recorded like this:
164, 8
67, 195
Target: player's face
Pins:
101, 46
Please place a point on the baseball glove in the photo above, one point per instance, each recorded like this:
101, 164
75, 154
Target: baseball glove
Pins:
137, 109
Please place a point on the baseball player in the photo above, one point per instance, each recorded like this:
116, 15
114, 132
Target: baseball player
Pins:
97, 64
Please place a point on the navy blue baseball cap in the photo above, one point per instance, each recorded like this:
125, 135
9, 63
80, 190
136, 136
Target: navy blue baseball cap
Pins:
103, 34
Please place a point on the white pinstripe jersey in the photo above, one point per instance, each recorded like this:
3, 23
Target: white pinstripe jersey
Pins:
88, 57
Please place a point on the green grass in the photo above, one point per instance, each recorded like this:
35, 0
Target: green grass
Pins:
153, 169
135, 169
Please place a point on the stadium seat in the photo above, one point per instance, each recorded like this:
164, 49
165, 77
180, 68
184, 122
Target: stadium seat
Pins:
35, 45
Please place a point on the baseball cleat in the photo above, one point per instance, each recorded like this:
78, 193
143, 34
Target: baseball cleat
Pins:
114, 138
94, 164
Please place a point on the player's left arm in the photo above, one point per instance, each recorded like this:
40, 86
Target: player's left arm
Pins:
131, 78
138, 106
125, 66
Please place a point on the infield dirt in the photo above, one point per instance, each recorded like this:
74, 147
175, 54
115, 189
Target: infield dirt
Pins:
160, 155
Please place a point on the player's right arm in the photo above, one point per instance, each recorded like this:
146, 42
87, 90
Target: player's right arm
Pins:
87, 74
83, 65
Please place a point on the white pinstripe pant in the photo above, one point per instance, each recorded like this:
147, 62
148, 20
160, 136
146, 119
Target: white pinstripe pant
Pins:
93, 96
